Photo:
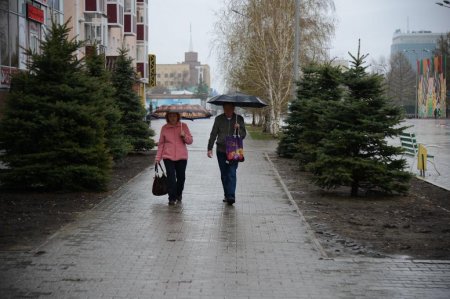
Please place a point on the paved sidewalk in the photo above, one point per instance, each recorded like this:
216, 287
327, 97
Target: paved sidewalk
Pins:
135, 246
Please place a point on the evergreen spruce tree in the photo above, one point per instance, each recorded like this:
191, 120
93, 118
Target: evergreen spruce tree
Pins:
52, 134
355, 152
133, 112
304, 130
117, 143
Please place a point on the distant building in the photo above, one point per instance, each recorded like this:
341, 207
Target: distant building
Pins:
416, 45
183, 75
23, 25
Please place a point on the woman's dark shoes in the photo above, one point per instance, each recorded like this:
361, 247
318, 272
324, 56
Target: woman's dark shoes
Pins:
171, 202
180, 198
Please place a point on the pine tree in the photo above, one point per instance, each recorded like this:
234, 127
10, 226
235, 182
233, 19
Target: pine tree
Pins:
52, 134
304, 130
355, 152
133, 112
117, 143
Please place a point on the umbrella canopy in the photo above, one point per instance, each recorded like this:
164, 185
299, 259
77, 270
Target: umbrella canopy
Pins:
238, 99
186, 111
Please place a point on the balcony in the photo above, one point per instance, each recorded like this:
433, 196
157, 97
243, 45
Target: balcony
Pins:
96, 32
95, 6
111, 63
141, 69
129, 27
142, 33
115, 14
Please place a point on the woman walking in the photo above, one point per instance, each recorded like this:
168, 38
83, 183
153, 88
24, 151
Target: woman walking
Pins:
172, 149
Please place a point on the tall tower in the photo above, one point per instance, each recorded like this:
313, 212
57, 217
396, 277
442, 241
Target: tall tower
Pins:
191, 58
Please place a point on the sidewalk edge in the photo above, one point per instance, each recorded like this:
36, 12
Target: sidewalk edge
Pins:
310, 231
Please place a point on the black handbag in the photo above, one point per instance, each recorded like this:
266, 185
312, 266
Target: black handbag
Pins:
159, 187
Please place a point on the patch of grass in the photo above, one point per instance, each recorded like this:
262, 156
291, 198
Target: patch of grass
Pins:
257, 134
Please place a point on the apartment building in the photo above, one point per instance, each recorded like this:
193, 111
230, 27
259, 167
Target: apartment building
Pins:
109, 25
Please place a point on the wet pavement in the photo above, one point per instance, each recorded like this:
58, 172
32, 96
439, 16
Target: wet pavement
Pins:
133, 245
435, 135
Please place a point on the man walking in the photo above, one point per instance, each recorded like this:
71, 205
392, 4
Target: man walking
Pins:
225, 125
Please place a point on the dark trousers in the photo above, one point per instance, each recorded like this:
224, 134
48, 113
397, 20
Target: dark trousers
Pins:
176, 175
228, 175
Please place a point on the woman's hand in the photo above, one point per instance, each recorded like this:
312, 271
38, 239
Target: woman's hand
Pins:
183, 134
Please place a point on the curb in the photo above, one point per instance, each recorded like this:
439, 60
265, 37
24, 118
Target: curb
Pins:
309, 230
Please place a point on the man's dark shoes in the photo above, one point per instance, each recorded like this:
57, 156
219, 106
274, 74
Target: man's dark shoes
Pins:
230, 201
171, 202
180, 198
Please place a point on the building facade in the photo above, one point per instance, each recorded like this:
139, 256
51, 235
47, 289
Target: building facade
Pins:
22, 25
183, 75
416, 45
110, 25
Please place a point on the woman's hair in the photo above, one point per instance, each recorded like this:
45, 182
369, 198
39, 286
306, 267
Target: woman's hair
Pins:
178, 116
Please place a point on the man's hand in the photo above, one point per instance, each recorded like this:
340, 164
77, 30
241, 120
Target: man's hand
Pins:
236, 126
210, 154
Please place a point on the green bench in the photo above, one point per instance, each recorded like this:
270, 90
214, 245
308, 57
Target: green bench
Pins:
411, 148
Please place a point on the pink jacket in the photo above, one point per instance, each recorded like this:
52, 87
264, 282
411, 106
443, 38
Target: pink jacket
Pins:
171, 146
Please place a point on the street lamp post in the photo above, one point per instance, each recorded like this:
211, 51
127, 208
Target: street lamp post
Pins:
297, 43
297, 40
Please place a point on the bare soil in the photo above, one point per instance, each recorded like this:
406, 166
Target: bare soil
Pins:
413, 226
29, 218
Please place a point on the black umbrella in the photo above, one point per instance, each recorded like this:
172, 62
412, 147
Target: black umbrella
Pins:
238, 99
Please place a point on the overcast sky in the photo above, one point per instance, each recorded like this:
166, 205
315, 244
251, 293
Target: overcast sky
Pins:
374, 21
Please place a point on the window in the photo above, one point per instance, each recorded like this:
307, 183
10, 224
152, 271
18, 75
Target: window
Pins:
130, 6
22, 7
14, 39
141, 15
121, 15
4, 5
140, 53
166, 75
34, 36
96, 32
23, 36
4, 40
13, 5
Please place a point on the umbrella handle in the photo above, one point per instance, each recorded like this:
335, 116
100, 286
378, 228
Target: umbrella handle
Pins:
236, 130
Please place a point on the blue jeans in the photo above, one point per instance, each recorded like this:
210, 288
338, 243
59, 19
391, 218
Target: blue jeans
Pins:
176, 175
228, 175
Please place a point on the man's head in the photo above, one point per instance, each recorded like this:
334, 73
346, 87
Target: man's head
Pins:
228, 109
